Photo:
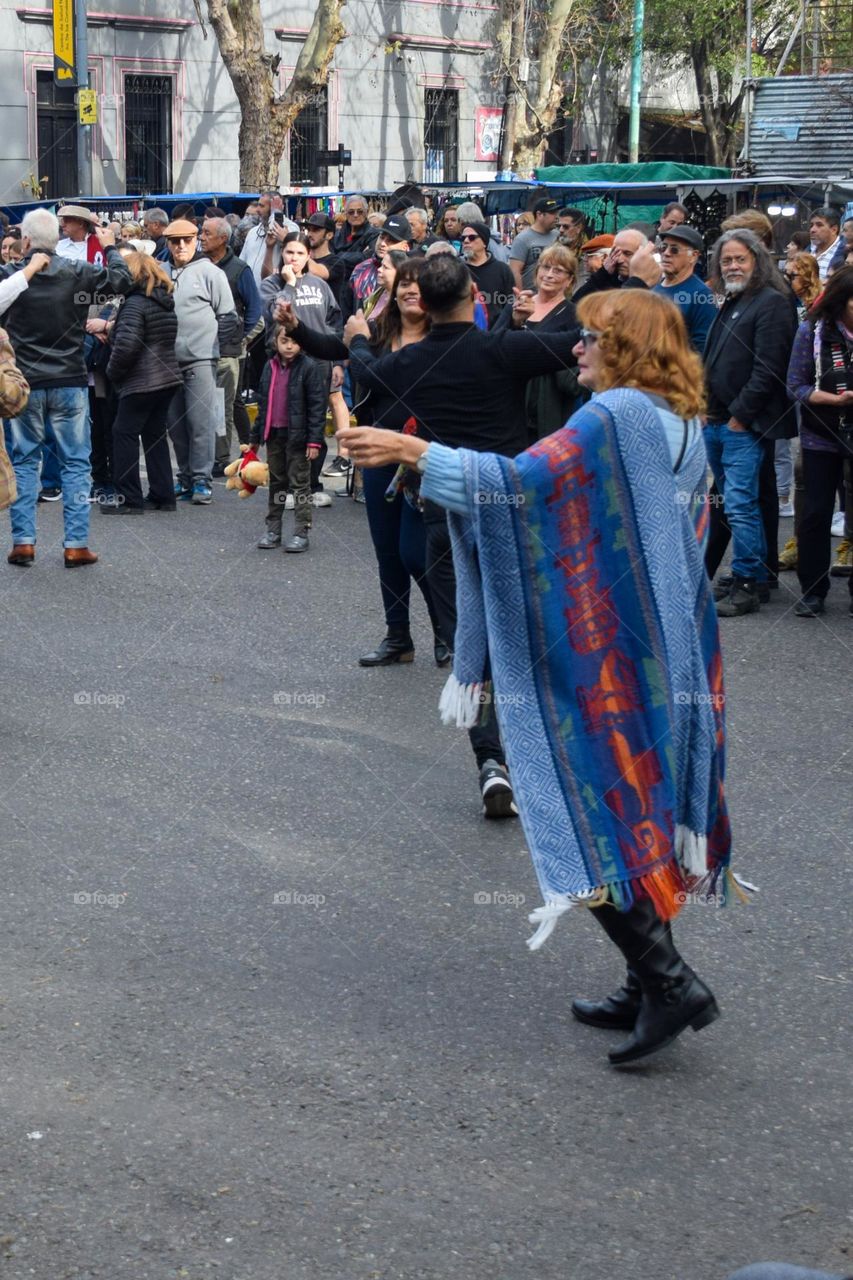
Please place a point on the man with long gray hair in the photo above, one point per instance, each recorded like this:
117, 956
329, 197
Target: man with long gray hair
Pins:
746, 362
47, 328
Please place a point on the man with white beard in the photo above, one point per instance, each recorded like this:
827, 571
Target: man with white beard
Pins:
746, 361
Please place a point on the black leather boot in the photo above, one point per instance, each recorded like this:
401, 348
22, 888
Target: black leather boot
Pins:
673, 998
617, 1011
396, 647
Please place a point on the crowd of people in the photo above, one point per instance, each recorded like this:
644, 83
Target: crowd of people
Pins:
218, 331
515, 413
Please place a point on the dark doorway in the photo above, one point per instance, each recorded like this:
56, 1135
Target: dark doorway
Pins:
56, 124
148, 134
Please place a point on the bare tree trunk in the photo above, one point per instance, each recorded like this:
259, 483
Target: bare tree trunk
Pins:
266, 117
513, 33
719, 110
528, 124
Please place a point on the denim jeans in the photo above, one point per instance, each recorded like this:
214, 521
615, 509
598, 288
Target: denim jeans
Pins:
66, 411
735, 458
192, 418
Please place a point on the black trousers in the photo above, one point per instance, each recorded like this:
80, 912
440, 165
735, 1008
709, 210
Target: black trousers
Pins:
143, 417
102, 410
719, 533
485, 738
241, 418
822, 474
256, 358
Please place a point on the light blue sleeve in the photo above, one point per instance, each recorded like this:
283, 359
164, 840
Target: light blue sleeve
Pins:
444, 480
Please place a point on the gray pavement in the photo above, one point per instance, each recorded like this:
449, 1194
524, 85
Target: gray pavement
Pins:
254, 1022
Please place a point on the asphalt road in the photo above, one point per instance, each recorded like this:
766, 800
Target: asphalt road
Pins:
257, 1025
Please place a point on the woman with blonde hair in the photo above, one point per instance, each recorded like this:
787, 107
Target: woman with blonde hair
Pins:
131, 231
144, 371
581, 568
551, 397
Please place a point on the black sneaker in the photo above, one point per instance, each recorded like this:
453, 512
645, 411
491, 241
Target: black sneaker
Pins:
498, 801
809, 607
337, 467
50, 495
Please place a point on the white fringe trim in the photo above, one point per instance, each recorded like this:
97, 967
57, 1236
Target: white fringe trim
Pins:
691, 849
460, 704
548, 914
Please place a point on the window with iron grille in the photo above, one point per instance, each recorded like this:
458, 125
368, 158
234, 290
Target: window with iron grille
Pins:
148, 134
441, 135
308, 135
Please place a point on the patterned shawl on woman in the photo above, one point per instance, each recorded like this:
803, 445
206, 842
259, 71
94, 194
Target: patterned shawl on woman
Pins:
581, 582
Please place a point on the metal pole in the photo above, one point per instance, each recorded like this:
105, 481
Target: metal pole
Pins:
747, 80
636, 81
815, 37
84, 165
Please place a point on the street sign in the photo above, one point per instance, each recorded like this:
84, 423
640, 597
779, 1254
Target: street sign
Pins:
334, 159
64, 63
87, 106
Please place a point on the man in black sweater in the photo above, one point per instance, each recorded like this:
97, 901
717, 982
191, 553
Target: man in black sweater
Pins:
465, 388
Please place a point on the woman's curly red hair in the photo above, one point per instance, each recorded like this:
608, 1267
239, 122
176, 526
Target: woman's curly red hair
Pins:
643, 344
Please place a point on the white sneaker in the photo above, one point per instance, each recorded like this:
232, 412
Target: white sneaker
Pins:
786, 510
288, 502
837, 530
321, 498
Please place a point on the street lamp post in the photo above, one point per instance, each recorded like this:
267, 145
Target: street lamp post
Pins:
636, 82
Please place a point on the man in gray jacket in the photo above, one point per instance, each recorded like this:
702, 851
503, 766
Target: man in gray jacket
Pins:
206, 317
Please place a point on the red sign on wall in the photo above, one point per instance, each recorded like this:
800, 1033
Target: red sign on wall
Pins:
487, 131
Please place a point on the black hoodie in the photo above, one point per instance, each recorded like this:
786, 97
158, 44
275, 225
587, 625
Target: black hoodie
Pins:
143, 343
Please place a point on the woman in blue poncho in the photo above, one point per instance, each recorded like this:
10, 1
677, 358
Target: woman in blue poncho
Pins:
579, 570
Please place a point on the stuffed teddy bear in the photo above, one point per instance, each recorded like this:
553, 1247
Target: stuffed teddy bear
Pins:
246, 473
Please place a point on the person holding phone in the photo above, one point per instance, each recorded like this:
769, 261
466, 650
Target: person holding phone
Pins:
262, 246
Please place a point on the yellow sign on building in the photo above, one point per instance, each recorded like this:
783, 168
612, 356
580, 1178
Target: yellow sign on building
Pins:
64, 66
87, 106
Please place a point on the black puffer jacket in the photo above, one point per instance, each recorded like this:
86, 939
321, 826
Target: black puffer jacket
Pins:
47, 323
143, 344
307, 397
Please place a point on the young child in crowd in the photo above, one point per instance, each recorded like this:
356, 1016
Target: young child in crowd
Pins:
291, 420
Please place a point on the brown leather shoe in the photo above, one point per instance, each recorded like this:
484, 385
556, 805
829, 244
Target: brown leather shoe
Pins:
76, 556
24, 553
